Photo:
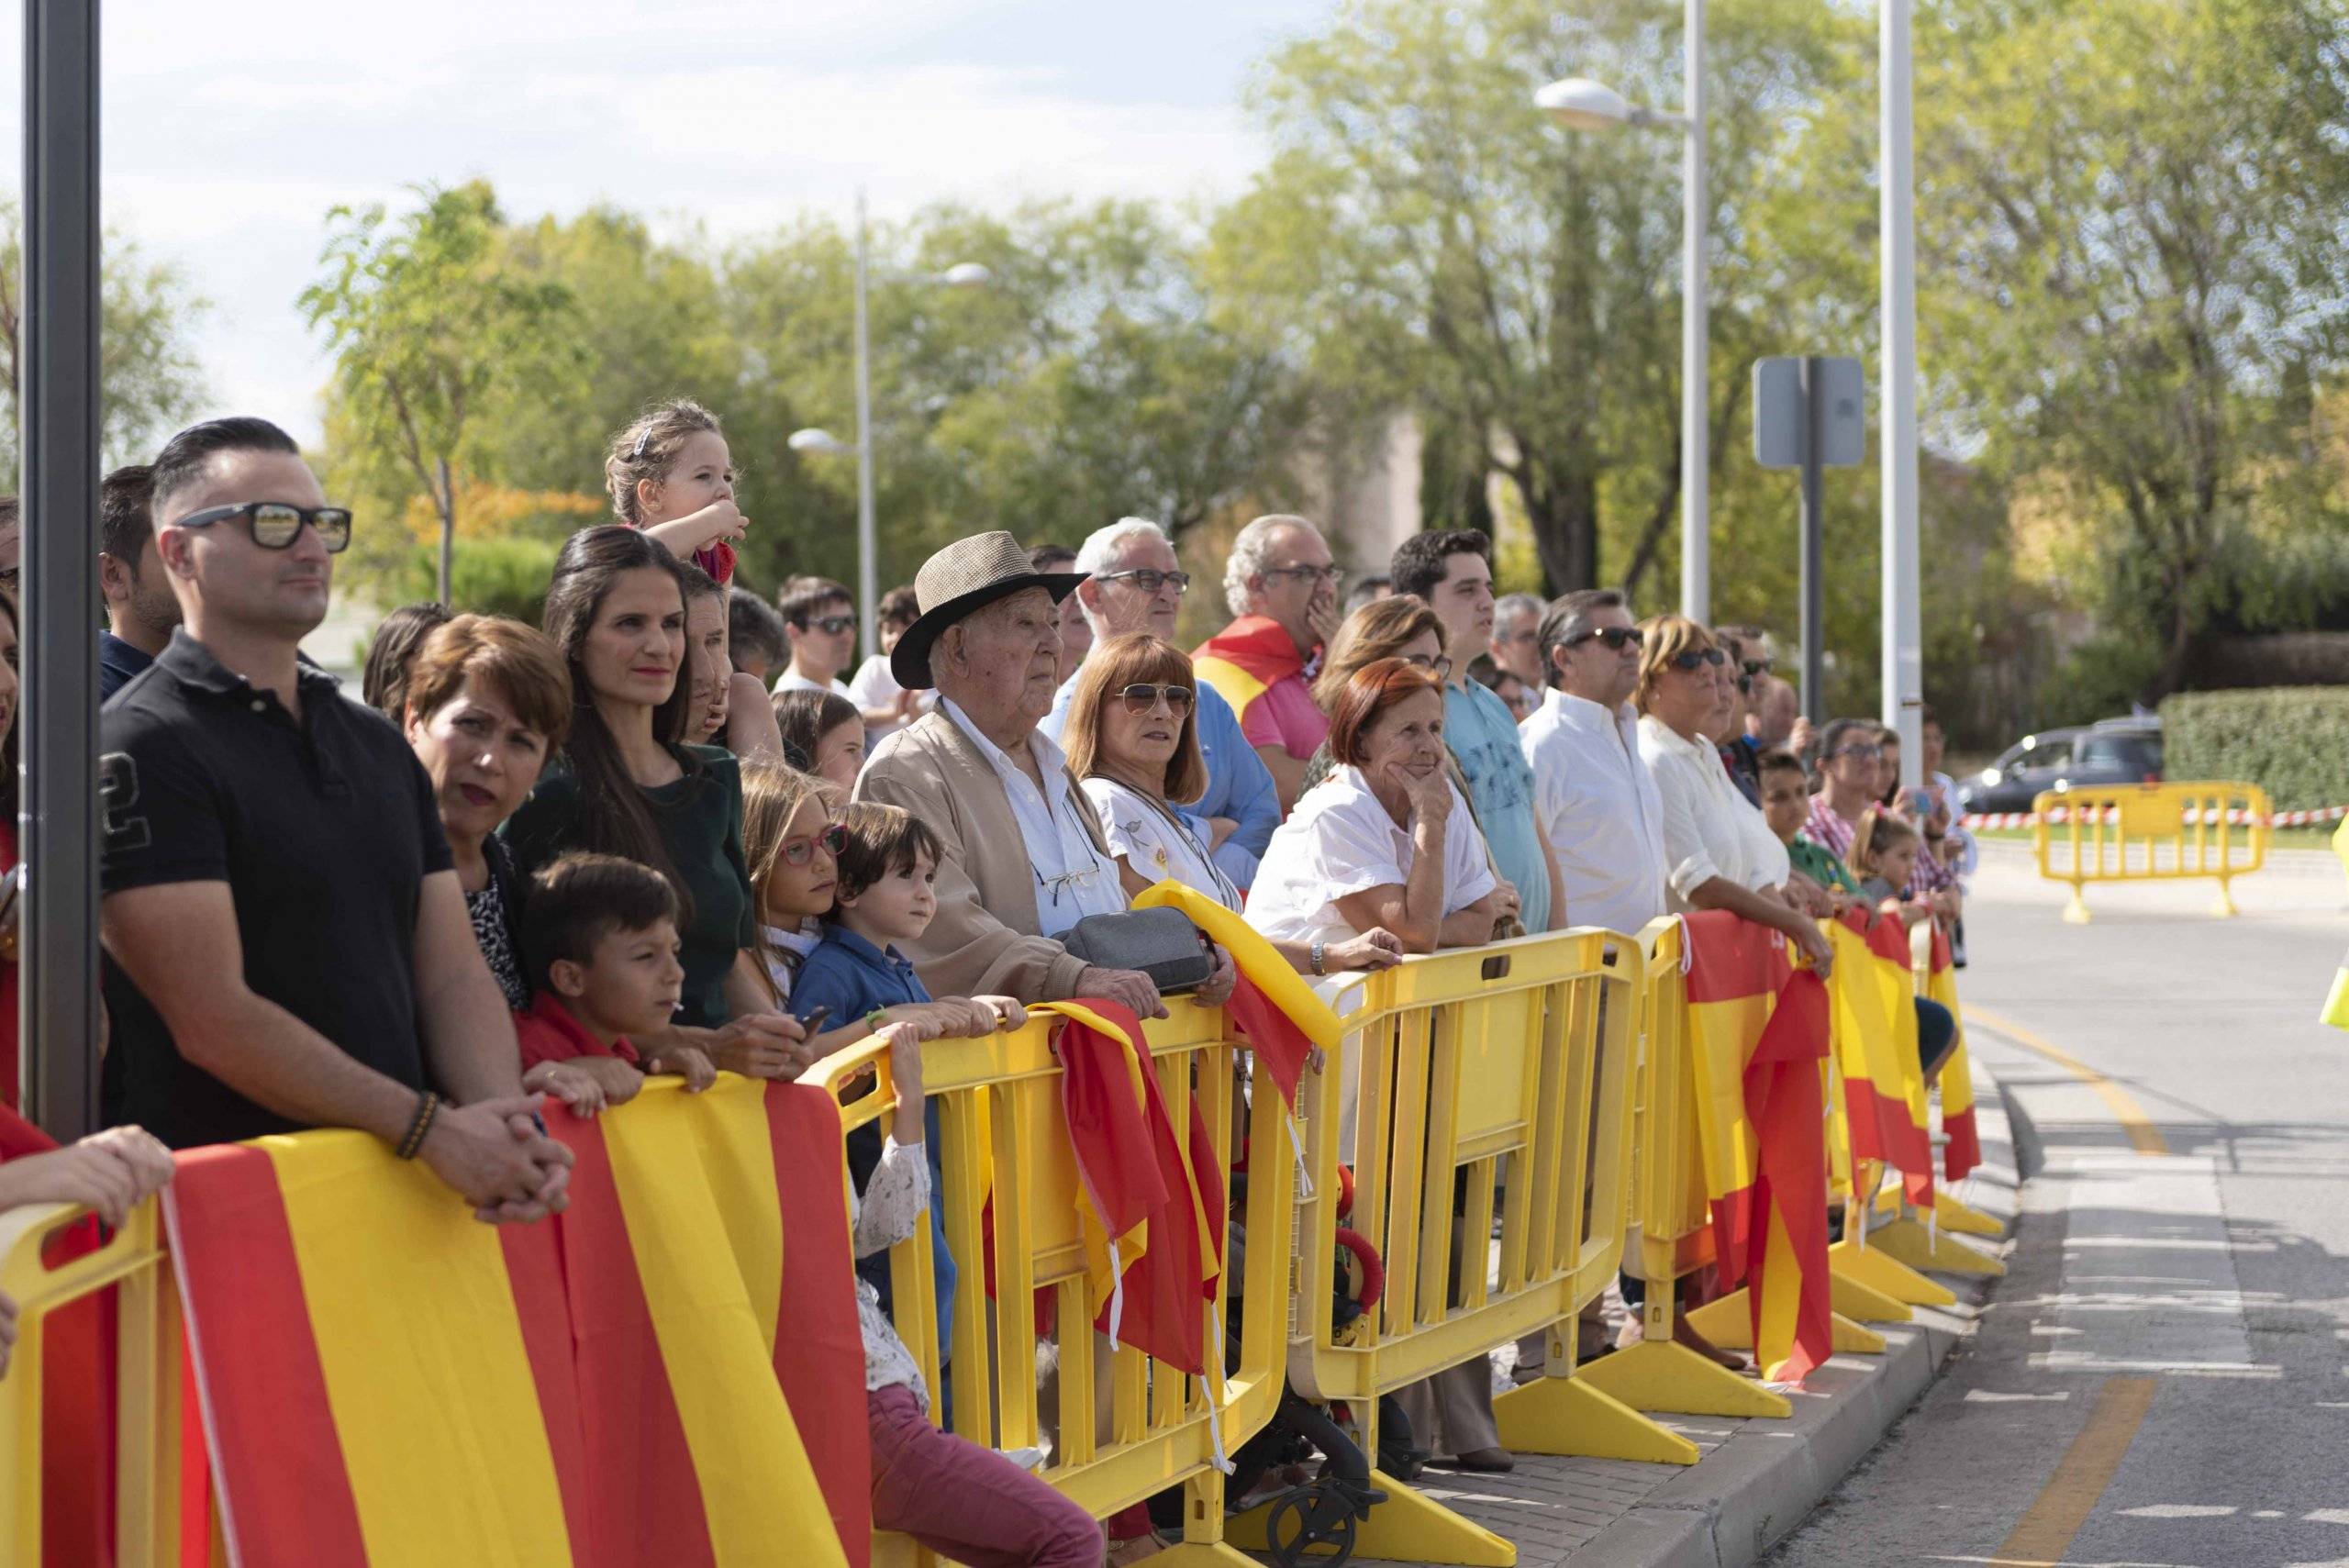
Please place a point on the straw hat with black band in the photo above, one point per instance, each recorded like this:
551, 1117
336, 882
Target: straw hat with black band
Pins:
966, 577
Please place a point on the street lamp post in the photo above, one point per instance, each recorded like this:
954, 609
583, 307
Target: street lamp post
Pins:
1903, 633
965, 274
1584, 105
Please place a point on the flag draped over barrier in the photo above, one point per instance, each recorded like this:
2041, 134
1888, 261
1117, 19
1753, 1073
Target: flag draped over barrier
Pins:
1271, 1006
1758, 1032
1150, 1196
386, 1381
1964, 1152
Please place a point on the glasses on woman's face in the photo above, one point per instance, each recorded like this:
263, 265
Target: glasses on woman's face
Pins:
799, 851
1435, 664
1617, 637
1696, 656
1865, 753
1143, 698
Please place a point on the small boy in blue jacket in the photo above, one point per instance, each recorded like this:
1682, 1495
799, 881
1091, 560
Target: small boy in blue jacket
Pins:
886, 893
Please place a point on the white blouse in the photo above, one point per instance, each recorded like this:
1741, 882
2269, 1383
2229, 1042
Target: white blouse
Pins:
1155, 842
1339, 840
1710, 829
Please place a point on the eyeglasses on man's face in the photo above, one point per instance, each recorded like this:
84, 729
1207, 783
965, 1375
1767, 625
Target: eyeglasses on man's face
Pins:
275, 524
834, 625
1149, 579
1616, 638
1144, 697
1314, 574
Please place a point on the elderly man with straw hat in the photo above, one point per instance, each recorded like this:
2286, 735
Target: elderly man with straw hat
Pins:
1024, 856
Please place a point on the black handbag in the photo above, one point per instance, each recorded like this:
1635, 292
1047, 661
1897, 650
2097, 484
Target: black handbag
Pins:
1163, 943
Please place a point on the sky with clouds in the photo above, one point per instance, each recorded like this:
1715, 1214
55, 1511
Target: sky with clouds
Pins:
230, 128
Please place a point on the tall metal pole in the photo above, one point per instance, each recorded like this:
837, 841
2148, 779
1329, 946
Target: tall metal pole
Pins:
868, 592
1903, 628
1696, 391
1814, 572
57, 832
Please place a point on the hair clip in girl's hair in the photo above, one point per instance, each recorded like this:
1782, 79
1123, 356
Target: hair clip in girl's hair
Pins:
636, 450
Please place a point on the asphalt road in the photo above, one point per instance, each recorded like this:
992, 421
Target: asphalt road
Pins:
2160, 1378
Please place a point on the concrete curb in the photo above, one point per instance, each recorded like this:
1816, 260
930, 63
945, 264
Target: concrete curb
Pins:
1764, 1477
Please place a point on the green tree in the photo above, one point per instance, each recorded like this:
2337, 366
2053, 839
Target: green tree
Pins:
2129, 233
147, 374
1440, 242
428, 328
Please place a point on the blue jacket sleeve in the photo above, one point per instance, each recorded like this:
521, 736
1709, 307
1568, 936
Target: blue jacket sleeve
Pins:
1239, 786
823, 982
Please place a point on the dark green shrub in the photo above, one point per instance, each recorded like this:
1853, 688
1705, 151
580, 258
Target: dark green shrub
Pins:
490, 576
2292, 741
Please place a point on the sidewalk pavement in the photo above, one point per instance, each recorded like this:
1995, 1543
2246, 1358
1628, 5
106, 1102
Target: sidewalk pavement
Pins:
1758, 1479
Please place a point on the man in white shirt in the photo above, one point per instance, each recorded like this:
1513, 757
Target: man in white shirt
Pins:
1592, 793
819, 618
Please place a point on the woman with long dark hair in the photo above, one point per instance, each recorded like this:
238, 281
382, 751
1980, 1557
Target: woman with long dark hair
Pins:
628, 784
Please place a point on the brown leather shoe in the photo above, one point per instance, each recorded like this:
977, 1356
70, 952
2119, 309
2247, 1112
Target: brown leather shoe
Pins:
1481, 1461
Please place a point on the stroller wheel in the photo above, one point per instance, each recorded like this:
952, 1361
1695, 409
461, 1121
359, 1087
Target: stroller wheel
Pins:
1317, 1514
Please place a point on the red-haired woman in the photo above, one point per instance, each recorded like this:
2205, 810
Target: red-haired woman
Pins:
1385, 841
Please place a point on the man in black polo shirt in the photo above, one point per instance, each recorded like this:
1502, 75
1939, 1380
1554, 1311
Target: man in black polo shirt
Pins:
291, 944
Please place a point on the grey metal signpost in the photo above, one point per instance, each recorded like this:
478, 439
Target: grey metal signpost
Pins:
1811, 414
57, 827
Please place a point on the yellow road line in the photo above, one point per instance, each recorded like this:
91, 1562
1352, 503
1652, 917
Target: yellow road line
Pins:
2143, 1136
2044, 1534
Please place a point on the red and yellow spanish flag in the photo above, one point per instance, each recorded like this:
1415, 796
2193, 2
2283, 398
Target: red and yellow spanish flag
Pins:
386, 1381
1153, 1201
1873, 994
1244, 660
1758, 1032
1964, 1149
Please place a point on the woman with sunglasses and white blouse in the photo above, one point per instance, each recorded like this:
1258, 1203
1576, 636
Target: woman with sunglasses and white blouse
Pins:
1132, 739
1719, 850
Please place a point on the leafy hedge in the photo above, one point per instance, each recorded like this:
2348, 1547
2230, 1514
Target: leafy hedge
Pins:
2292, 741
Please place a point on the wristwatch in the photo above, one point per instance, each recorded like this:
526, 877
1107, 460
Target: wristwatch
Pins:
1319, 949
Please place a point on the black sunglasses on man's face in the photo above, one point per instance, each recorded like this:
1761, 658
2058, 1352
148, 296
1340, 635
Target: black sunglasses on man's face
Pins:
1616, 638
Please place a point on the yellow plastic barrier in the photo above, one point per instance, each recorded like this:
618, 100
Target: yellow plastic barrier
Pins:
1004, 1143
1479, 1084
147, 1455
2164, 832
1671, 1217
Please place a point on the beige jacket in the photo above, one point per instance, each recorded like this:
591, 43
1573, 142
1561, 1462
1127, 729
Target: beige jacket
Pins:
984, 939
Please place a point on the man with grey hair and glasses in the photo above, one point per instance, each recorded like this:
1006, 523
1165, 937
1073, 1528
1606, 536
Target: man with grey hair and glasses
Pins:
1517, 638
1283, 590
1131, 585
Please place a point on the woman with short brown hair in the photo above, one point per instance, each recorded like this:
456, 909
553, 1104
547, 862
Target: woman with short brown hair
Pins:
486, 702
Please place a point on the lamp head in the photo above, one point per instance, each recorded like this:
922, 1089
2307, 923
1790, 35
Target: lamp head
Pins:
1584, 105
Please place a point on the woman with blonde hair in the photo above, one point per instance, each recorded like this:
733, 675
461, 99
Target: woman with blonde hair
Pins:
1401, 625
1719, 850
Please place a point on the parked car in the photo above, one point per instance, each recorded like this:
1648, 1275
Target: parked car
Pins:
2112, 751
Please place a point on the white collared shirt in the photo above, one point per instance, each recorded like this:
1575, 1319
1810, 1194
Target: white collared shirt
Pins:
1340, 839
1710, 829
1073, 878
1598, 803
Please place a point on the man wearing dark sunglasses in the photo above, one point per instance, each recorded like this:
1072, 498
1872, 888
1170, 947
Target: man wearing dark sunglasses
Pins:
291, 947
1598, 803
819, 619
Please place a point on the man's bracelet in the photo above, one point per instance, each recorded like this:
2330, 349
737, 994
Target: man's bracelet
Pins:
1318, 951
428, 1105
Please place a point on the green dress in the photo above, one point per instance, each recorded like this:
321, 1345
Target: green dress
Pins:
700, 819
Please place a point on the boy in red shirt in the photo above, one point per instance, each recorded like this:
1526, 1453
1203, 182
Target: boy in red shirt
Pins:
599, 937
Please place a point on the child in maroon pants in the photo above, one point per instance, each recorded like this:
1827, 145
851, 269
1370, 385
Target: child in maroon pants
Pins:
965, 1502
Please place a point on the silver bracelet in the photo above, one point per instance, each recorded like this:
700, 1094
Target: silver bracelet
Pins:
1317, 949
